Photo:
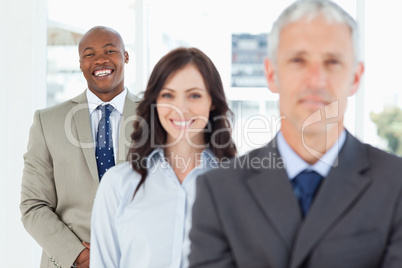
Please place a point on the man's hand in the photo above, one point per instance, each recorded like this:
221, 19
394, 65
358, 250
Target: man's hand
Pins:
82, 260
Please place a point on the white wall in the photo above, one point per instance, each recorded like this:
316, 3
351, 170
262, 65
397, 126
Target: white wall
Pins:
22, 90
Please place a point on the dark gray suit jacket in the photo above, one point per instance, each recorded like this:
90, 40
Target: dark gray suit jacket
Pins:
248, 216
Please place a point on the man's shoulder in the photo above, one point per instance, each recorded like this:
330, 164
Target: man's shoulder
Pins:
378, 164
132, 97
64, 107
376, 156
383, 159
240, 167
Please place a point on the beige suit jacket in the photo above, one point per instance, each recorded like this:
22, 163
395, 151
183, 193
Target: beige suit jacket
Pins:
60, 177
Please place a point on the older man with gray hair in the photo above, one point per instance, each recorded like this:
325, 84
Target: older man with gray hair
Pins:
330, 201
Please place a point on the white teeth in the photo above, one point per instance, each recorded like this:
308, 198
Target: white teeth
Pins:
181, 123
103, 72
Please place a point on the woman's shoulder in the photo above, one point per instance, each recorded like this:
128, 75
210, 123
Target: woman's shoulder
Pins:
120, 177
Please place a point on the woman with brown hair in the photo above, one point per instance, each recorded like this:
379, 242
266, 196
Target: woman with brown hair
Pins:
142, 211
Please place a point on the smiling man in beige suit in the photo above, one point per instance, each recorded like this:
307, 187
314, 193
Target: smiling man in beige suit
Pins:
60, 176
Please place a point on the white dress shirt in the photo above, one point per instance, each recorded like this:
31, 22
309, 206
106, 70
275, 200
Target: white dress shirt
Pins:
152, 229
115, 117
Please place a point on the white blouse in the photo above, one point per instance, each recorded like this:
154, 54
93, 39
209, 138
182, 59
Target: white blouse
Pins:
152, 229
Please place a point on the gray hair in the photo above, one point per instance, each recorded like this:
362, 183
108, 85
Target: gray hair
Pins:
310, 9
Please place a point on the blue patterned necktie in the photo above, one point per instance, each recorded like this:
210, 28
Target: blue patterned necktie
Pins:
104, 142
306, 183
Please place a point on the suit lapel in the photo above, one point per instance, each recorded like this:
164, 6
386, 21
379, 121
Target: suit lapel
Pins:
82, 121
274, 194
83, 125
126, 126
339, 191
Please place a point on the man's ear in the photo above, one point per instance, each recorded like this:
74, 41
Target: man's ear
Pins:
126, 57
357, 76
79, 60
270, 74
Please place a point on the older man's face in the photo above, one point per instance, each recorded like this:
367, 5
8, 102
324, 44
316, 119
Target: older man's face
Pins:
315, 71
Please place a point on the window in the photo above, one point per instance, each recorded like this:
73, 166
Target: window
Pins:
151, 28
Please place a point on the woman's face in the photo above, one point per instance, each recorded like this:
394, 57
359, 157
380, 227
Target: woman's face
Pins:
183, 106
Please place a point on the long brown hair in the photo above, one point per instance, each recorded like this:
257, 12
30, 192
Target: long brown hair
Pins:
217, 138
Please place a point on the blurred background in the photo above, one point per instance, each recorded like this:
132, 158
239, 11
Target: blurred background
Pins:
40, 68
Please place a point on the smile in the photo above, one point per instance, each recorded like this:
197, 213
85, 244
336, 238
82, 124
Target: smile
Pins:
104, 72
182, 124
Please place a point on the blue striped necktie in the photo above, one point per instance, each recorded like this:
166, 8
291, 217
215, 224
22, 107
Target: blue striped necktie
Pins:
104, 142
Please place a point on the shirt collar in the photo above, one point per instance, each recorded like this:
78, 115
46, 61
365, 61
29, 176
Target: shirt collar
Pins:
295, 164
117, 102
156, 155
208, 159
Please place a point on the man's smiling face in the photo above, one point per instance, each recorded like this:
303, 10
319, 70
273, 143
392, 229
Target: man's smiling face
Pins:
102, 59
